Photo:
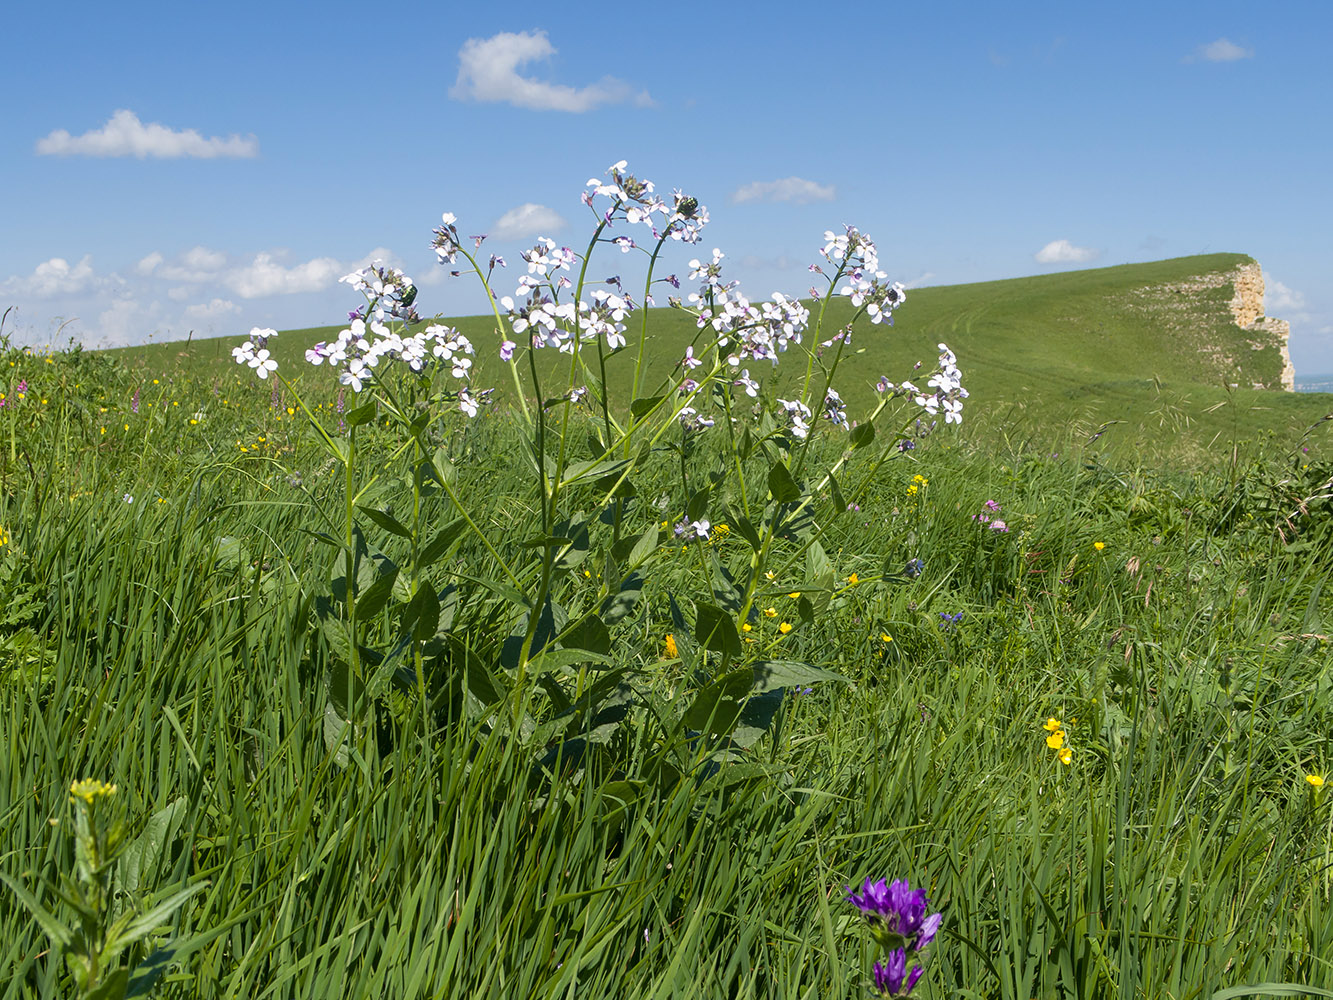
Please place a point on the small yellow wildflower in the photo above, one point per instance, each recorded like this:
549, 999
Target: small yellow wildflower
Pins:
1056, 740
885, 637
785, 627
795, 595
1052, 724
722, 529
770, 575
103, 430
670, 651
1099, 545
127, 426
154, 381
1315, 780
1066, 755
853, 579
291, 411
911, 491
4, 537
922, 480
89, 790
744, 628
770, 612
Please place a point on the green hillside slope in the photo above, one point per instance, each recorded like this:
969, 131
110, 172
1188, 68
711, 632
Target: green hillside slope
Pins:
1048, 359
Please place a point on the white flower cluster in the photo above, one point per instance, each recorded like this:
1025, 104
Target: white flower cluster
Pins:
254, 352
947, 383
762, 332
867, 285
554, 324
389, 293
798, 417
682, 220
362, 347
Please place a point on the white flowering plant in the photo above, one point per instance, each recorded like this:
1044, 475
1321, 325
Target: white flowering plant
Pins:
417, 376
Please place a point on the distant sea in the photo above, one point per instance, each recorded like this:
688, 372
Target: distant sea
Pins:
1314, 383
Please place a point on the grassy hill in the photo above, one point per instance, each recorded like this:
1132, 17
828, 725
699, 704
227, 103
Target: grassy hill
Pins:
1151, 348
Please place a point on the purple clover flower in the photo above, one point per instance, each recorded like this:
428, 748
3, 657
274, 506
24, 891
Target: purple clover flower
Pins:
897, 914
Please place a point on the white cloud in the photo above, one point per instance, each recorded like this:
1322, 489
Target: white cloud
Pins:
923, 279
125, 135
203, 311
1064, 252
266, 276
51, 278
1279, 297
526, 220
793, 189
126, 321
488, 72
1222, 50
149, 264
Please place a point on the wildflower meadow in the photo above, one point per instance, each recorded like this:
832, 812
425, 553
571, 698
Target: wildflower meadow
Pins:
643, 639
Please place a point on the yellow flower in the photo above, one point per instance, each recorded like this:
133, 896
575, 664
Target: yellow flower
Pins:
911, 491
920, 479
795, 595
154, 381
770, 612
4, 537
770, 575
1066, 755
670, 652
722, 529
744, 628
1052, 724
1315, 780
1099, 545
127, 426
291, 411
1056, 740
784, 628
853, 579
90, 789
885, 637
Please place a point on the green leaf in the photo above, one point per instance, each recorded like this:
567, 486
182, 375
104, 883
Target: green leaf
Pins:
363, 414
644, 547
781, 485
441, 543
424, 612
590, 633
443, 468
59, 934
386, 521
1271, 990
644, 405
144, 854
716, 708
558, 659
839, 501
756, 718
149, 922
715, 629
621, 604
698, 505
747, 531
770, 675
371, 601
113, 987
862, 434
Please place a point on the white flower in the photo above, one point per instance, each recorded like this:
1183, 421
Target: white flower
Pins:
263, 364
128, 498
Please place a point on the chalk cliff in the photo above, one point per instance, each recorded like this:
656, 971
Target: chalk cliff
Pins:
1247, 306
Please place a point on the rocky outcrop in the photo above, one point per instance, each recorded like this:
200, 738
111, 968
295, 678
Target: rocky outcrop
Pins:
1247, 306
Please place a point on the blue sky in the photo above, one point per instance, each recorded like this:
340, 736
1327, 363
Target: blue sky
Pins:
200, 167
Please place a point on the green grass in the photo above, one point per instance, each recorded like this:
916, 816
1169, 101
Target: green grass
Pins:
169, 644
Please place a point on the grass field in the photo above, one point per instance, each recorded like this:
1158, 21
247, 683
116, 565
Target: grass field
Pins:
421, 744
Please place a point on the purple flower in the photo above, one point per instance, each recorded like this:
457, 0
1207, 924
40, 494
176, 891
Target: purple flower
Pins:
897, 912
23, 385
889, 978
914, 567
991, 505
